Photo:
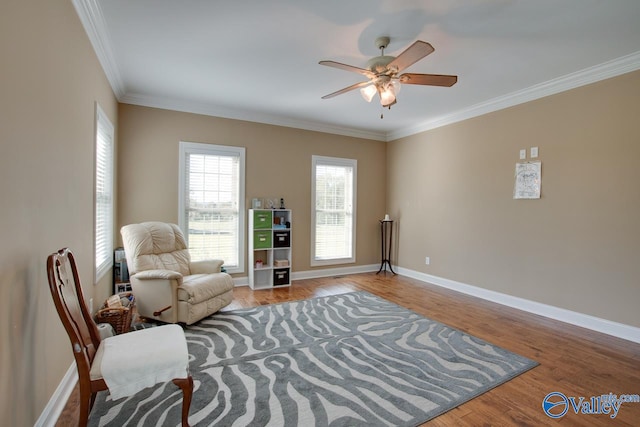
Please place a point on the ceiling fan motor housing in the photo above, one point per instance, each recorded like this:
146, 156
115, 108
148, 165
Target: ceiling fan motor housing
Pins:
379, 64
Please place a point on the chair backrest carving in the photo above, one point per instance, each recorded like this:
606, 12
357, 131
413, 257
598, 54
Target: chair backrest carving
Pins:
68, 298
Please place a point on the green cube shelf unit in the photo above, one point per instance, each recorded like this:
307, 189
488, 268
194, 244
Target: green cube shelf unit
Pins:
269, 248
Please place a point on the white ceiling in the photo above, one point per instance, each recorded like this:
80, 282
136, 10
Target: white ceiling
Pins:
257, 60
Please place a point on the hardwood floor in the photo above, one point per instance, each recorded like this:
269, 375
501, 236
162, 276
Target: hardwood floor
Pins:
574, 361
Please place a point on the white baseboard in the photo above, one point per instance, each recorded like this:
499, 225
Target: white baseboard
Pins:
241, 281
52, 411
328, 272
314, 274
620, 330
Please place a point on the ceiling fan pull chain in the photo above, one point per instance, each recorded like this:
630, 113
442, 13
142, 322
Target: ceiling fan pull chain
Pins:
382, 112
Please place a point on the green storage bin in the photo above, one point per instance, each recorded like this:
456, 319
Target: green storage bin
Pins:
262, 219
262, 239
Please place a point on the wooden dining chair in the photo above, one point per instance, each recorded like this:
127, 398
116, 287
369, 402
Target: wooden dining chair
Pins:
86, 344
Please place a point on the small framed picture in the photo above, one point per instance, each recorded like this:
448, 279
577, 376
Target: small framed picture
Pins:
528, 179
256, 203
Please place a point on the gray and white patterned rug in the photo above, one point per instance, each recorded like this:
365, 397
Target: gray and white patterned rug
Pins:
344, 360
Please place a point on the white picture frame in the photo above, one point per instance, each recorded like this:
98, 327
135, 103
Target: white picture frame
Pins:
528, 180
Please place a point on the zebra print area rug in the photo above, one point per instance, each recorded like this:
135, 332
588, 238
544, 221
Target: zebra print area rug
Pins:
344, 360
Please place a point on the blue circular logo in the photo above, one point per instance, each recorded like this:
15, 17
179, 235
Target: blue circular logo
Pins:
555, 404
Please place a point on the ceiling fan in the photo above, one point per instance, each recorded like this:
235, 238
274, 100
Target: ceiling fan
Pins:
383, 73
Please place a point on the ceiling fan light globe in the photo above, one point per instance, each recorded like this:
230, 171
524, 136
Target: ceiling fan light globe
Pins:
395, 84
368, 92
387, 97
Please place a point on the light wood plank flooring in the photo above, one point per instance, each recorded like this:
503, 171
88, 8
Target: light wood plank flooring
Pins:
573, 360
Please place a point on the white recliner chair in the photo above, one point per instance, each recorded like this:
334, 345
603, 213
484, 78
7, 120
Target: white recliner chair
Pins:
167, 285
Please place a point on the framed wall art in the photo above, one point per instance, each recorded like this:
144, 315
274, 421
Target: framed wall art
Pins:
528, 179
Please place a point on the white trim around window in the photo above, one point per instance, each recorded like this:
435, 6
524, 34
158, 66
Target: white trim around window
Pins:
104, 193
333, 210
212, 202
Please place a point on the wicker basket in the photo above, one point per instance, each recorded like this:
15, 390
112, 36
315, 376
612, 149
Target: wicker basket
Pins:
116, 314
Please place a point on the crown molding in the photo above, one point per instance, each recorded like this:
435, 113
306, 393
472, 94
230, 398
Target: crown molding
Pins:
250, 116
570, 81
92, 20
583, 77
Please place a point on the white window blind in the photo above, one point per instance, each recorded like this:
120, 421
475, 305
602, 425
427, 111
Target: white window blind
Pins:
333, 211
212, 202
103, 194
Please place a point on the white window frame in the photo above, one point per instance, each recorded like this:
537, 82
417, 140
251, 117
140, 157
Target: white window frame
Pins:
103, 194
187, 148
333, 161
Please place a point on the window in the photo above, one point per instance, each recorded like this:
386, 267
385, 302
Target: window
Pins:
212, 202
104, 194
333, 194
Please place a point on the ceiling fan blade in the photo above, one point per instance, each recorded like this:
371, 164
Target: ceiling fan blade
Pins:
428, 79
411, 55
346, 67
346, 89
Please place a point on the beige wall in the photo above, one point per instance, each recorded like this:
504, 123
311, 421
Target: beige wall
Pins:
450, 189
49, 82
578, 247
278, 164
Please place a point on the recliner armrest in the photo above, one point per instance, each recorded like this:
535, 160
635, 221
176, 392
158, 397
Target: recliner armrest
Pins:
207, 266
157, 274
